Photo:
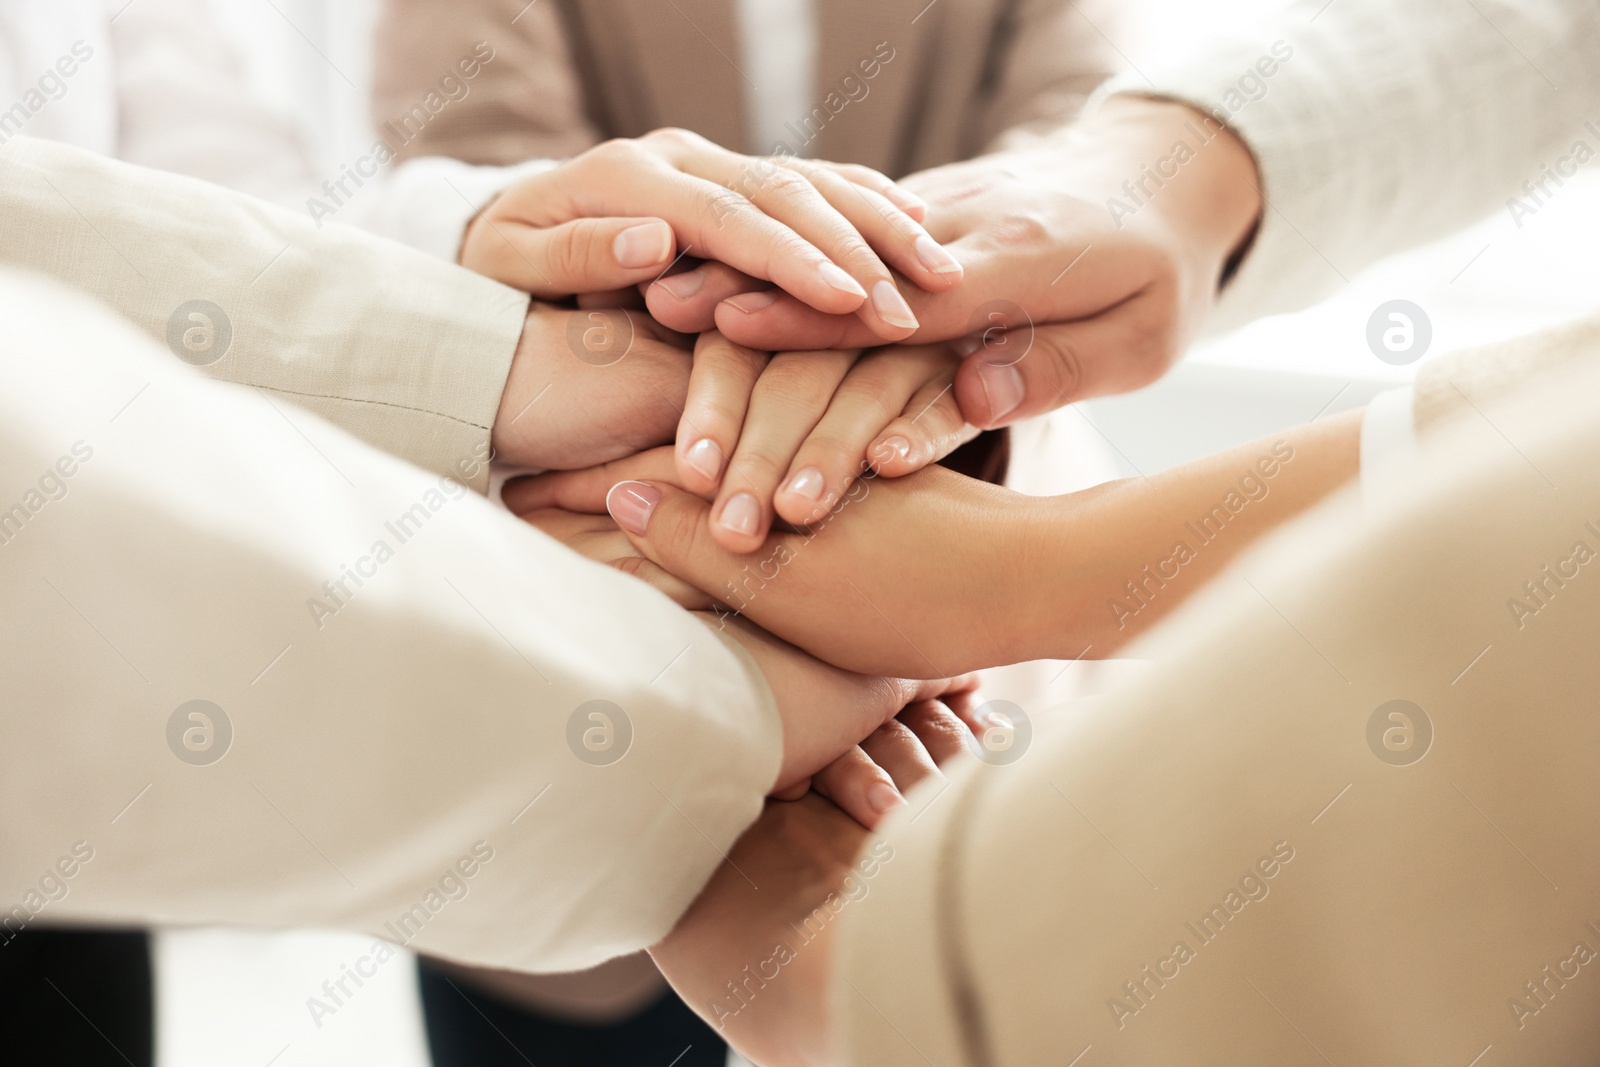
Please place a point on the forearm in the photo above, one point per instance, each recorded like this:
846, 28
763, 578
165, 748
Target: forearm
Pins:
1163, 163
1125, 554
406, 670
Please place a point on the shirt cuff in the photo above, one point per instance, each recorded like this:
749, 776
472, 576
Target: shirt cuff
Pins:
429, 202
1388, 447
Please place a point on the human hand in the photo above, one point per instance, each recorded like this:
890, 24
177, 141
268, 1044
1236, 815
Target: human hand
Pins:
809, 860
588, 386
929, 575
1063, 299
934, 574
801, 427
825, 710
858, 781
620, 213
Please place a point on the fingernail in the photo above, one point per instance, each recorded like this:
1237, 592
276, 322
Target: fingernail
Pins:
705, 457
892, 307
904, 199
899, 446
836, 278
741, 514
935, 257
750, 303
1002, 388
631, 503
683, 286
808, 483
883, 797
644, 245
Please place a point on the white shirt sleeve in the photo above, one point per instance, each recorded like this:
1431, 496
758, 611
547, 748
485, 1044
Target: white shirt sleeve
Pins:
427, 203
1388, 448
259, 673
185, 106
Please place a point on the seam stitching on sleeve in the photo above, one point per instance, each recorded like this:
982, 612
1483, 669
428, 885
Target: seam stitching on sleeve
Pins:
375, 403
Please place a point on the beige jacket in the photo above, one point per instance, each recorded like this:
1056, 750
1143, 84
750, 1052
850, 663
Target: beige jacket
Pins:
952, 78
397, 733
1252, 856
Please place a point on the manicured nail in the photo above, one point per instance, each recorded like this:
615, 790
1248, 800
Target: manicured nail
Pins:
631, 503
683, 286
750, 303
836, 278
892, 307
883, 797
705, 457
1002, 388
897, 447
644, 245
935, 257
741, 514
905, 200
809, 483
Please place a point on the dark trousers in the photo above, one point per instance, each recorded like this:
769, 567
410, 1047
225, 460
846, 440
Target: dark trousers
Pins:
85, 998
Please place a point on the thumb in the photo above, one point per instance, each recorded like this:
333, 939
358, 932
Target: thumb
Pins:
1025, 370
582, 256
672, 529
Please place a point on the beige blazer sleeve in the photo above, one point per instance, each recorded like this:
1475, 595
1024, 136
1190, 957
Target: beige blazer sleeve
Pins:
407, 353
1348, 818
259, 673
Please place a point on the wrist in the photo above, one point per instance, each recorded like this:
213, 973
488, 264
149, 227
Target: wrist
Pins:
504, 438
1030, 568
1187, 170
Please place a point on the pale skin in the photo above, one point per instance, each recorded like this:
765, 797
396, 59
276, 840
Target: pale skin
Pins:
1018, 225
918, 575
798, 854
575, 230
1061, 300
935, 573
1041, 298
619, 216
836, 236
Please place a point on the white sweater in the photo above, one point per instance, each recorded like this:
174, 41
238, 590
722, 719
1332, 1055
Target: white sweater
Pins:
1393, 123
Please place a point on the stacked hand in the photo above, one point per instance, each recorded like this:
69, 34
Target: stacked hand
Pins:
603, 381
735, 308
804, 857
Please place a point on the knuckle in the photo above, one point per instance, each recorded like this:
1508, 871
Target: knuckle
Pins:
673, 137
839, 460
754, 466
1062, 362
567, 252
615, 151
944, 417
786, 245
784, 183
675, 532
634, 566
1021, 228
894, 732
860, 174
797, 384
